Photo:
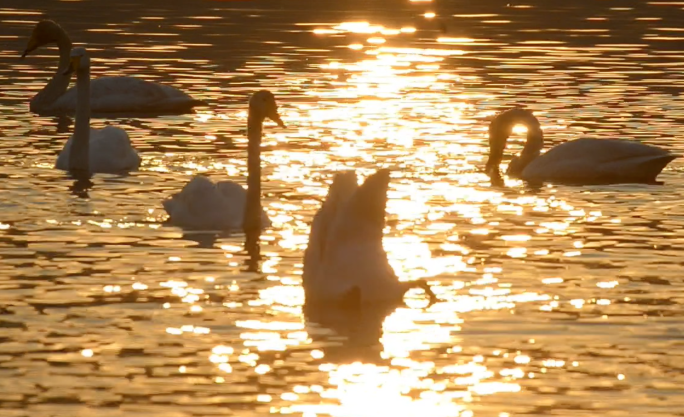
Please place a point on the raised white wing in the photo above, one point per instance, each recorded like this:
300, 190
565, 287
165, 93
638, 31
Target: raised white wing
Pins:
346, 256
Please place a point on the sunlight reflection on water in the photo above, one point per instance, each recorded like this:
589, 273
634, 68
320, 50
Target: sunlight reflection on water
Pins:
552, 300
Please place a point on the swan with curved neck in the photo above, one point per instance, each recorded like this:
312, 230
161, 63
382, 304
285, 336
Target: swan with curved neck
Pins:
93, 150
109, 95
203, 205
578, 162
345, 263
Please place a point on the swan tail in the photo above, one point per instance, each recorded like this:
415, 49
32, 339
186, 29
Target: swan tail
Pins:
647, 169
658, 164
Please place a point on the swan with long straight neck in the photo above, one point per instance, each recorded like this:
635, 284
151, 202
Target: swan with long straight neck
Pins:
226, 205
345, 263
582, 161
79, 154
93, 150
109, 95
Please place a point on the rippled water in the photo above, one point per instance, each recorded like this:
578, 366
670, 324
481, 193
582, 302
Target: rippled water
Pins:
553, 301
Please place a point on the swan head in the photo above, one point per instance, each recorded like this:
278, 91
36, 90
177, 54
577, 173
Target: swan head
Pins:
79, 61
501, 128
263, 105
422, 284
45, 32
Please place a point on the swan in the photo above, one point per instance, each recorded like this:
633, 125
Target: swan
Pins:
93, 150
202, 204
582, 161
109, 95
345, 263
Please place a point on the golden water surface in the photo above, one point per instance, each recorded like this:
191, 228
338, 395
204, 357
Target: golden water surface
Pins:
564, 301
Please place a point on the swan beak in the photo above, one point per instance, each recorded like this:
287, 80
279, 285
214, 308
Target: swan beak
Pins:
73, 65
276, 118
31, 46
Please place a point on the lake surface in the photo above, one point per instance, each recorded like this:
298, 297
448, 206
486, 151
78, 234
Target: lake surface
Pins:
564, 301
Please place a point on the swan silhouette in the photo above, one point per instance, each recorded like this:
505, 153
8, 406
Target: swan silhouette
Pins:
91, 150
109, 95
202, 204
582, 161
345, 263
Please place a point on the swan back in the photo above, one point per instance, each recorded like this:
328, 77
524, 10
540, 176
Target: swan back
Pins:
599, 161
345, 258
110, 151
203, 205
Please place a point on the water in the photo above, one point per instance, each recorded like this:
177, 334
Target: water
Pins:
555, 301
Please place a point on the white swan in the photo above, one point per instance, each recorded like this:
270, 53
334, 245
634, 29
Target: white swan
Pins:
577, 162
201, 204
345, 263
93, 150
109, 95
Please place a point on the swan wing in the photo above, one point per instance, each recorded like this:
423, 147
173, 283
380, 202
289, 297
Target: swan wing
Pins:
129, 95
201, 204
235, 197
110, 151
346, 244
342, 188
586, 161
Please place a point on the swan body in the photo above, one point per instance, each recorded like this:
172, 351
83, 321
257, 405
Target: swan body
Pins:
203, 205
110, 151
109, 95
94, 150
578, 162
125, 95
598, 161
225, 205
345, 263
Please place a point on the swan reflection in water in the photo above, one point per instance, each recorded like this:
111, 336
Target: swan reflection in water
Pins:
357, 331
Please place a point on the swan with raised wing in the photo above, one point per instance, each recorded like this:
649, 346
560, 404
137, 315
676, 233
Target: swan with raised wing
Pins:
345, 263
204, 205
582, 161
91, 150
109, 95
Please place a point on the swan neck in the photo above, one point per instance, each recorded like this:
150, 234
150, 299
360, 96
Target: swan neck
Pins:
499, 131
252, 219
422, 284
59, 82
64, 45
534, 143
79, 156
